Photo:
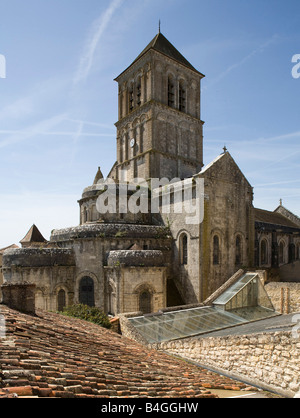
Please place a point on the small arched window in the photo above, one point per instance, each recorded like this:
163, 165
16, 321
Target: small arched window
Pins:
145, 302
216, 250
85, 215
61, 300
183, 249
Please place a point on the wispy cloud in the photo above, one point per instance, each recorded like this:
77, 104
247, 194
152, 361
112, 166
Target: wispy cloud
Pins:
97, 30
232, 67
51, 133
35, 129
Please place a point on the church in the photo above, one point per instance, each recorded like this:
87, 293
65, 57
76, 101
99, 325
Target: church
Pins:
123, 260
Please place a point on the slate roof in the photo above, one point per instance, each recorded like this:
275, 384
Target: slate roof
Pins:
161, 44
50, 355
274, 218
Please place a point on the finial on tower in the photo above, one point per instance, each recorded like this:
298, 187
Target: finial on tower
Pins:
280, 201
225, 149
159, 22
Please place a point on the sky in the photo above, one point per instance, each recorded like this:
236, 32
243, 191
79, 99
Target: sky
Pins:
59, 104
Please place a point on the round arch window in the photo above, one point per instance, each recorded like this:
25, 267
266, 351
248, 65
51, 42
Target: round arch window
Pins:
145, 302
86, 291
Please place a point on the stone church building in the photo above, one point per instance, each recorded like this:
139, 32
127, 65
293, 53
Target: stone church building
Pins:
129, 261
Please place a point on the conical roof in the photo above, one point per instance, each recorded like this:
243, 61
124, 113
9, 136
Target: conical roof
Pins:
99, 176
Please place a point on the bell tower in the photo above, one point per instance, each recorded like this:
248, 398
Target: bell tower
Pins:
159, 131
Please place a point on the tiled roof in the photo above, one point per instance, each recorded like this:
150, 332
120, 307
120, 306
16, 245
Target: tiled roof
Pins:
50, 355
33, 235
161, 44
274, 218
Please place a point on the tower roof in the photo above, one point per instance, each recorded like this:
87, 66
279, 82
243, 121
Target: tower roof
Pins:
161, 44
99, 176
33, 235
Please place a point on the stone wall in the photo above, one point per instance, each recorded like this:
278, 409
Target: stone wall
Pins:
285, 296
268, 360
290, 272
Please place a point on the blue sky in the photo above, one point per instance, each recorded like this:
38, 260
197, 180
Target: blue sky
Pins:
58, 102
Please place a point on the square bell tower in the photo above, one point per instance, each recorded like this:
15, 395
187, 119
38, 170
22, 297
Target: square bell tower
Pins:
159, 131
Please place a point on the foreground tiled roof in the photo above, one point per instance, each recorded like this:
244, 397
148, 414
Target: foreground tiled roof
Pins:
49, 355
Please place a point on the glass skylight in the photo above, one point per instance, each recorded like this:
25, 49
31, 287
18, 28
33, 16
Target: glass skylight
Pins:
243, 302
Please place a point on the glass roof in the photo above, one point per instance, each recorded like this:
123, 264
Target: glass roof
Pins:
185, 323
229, 293
244, 301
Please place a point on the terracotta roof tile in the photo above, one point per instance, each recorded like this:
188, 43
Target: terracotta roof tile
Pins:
33, 235
49, 355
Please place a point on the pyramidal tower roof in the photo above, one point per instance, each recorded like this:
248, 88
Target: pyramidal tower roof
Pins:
32, 236
161, 44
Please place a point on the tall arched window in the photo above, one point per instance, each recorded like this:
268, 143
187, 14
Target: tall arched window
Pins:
86, 291
216, 250
61, 300
263, 252
281, 252
139, 92
182, 97
238, 250
145, 302
131, 98
171, 94
183, 249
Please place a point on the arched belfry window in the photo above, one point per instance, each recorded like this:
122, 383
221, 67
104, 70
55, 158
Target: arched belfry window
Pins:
145, 302
131, 98
216, 250
86, 291
182, 97
183, 249
139, 92
171, 93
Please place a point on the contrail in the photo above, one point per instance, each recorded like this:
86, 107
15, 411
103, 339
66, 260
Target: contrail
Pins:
98, 28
